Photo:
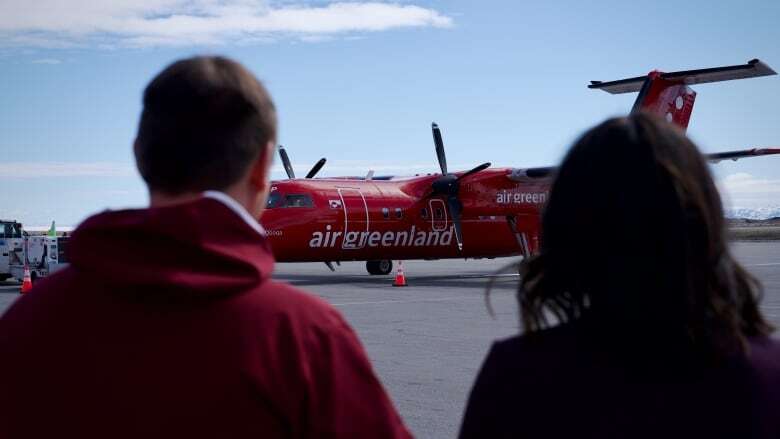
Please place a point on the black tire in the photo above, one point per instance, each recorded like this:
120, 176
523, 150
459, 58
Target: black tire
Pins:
379, 268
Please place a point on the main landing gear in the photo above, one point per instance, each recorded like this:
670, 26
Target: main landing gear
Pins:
381, 267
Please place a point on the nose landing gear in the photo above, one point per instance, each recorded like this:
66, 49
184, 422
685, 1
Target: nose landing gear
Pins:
381, 267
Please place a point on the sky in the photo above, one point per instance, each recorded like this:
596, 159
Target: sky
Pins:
361, 82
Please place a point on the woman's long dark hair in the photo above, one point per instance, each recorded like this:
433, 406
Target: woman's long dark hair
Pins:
633, 239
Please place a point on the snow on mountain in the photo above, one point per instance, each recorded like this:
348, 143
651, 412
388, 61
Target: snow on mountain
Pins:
759, 213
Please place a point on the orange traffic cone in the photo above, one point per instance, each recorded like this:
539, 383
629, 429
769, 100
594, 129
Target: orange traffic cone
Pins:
27, 281
400, 279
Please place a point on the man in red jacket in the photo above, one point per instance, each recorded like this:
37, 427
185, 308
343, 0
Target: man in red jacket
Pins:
167, 323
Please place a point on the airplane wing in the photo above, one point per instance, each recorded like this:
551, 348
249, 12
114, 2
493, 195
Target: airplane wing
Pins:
533, 173
523, 174
741, 154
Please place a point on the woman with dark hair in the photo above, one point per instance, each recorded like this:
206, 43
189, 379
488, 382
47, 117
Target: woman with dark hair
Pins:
638, 321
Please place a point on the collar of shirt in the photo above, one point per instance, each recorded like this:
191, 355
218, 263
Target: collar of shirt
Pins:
236, 207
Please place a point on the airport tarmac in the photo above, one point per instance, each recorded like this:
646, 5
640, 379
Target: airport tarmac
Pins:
428, 340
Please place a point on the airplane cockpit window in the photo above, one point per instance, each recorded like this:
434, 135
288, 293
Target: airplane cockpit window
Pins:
274, 200
298, 200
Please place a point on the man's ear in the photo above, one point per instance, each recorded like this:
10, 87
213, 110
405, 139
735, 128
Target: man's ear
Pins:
260, 174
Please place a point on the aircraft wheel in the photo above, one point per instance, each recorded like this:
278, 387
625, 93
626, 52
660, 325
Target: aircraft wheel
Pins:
381, 267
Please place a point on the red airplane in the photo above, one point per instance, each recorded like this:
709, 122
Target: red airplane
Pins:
480, 213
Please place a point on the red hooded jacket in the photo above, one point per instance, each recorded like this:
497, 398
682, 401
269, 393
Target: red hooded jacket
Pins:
167, 324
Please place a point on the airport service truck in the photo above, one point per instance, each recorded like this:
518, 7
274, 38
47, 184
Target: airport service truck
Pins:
44, 254
11, 242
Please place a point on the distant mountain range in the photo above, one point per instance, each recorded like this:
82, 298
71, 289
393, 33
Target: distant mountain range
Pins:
760, 213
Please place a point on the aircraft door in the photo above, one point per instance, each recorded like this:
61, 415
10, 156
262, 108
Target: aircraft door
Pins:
438, 215
356, 220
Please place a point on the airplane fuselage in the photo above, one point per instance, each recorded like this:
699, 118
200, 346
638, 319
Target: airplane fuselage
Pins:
354, 219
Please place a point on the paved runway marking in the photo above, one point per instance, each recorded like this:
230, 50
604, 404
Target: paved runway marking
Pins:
438, 299
467, 276
770, 264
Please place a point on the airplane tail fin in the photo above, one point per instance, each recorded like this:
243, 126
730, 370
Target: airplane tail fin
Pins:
668, 95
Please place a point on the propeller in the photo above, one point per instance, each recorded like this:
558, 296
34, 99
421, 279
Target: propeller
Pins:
439, 148
286, 162
448, 185
289, 169
316, 168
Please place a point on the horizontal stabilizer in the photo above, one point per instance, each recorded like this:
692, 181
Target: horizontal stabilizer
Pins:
752, 69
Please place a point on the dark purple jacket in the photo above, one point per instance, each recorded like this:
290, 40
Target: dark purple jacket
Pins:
560, 383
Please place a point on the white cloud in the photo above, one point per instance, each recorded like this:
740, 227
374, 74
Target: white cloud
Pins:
58, 23
65, 169
743, 190
744, 183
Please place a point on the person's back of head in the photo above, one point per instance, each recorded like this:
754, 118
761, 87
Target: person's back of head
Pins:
633, 239
205, 122
167, 321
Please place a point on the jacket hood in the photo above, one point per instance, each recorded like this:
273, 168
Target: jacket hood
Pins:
201, 247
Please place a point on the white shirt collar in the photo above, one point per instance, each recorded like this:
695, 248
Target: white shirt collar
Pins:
236, 207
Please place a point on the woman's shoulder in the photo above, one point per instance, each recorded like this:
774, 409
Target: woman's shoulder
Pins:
559, 335
561, 346
545, 348
764, 357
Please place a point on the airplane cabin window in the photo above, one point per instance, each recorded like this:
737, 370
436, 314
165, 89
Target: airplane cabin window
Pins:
438, 213
398, 213
385, 213
274, 200
424, 213
298, 200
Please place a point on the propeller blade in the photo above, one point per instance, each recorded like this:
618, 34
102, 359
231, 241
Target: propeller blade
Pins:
316, 168
455, 208
286, 162
481, 167
439, 148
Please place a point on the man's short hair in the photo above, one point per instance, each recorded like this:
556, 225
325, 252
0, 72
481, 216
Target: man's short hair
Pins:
204, 121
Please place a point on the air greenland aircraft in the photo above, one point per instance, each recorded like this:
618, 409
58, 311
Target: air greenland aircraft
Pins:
480, 213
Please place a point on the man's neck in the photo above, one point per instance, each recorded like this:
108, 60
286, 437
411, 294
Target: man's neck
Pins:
160, 199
